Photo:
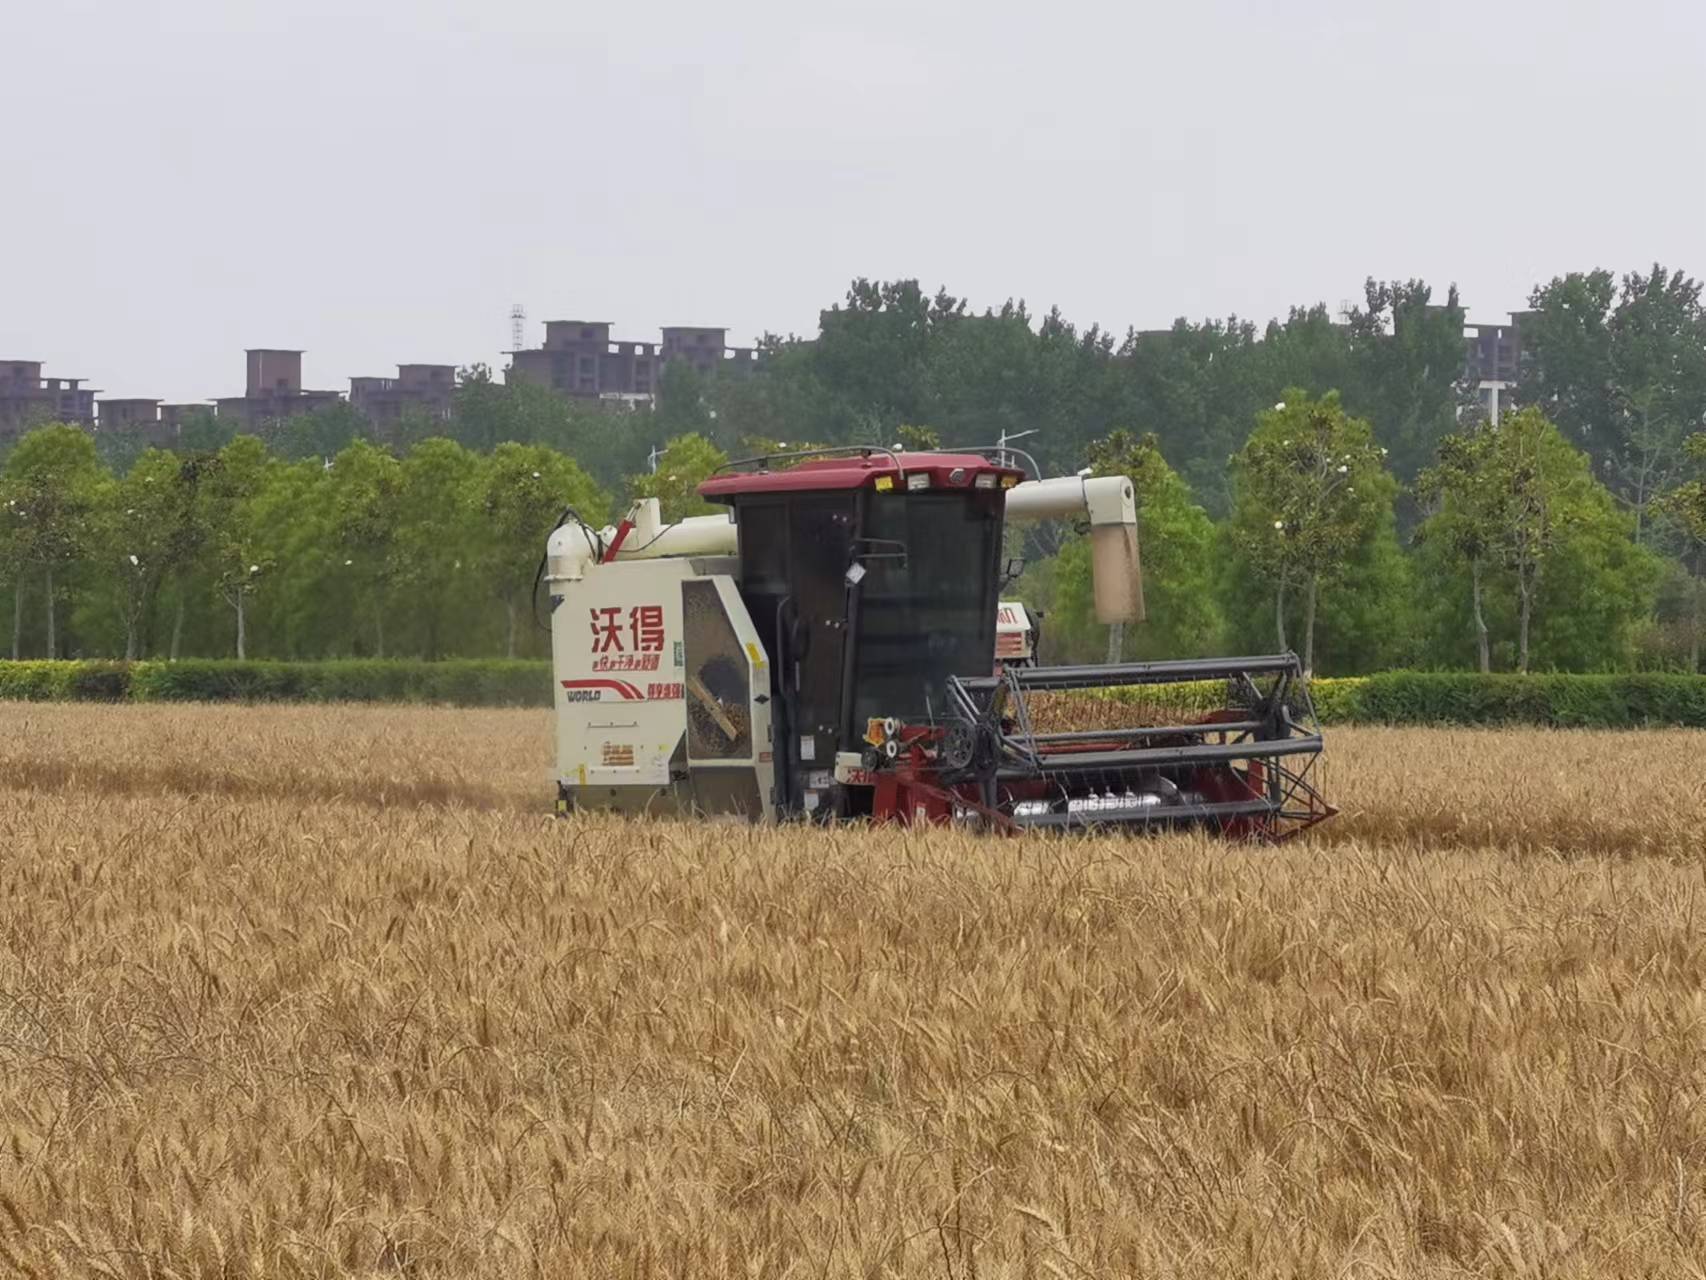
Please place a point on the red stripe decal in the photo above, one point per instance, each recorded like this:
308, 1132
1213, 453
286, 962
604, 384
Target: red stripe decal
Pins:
628, 691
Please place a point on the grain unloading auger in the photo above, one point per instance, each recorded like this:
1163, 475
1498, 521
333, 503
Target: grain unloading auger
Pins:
827, 650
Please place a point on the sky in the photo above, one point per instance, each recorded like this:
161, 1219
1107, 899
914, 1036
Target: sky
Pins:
380, 181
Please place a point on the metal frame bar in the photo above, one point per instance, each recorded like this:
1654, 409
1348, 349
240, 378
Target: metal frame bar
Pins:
993, 452
763, 460
1175, 671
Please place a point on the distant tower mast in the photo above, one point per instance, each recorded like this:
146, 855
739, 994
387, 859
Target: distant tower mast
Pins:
517, 327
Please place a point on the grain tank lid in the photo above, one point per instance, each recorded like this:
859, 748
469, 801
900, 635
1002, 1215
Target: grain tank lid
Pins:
942, 471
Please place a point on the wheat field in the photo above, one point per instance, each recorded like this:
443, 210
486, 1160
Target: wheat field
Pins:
322, 992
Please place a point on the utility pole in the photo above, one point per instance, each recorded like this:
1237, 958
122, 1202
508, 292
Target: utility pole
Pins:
1492, 386
1002, 455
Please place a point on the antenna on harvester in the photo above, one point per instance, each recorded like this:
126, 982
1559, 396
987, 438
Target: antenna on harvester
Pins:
517, 327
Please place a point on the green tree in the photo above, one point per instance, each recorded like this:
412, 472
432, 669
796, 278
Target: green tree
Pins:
307, 602
320, 433
148, 531
482, 410
1200, 384
918, 439
1177, 544
434, 539
12, 558
1568, 371
1534, 464
1659, 361
1369, 624
1517, 506
1310, 488
874, 351
685, 462
366, 487
1406, 357
1470, 500
1620, 366
237, 561
517, 494
53, 483
186, 549
1685, 507
203, 432
683, 406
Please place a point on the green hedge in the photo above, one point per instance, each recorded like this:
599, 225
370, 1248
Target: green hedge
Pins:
1394, 697
1564, 701
466, 683
1468, 698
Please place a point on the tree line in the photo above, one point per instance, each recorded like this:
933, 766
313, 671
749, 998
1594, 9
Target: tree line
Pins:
1326, 482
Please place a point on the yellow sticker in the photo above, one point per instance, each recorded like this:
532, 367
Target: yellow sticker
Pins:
884, 483
755, 653
874, 731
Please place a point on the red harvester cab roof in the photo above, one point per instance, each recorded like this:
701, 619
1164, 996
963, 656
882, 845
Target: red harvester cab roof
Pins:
863, 471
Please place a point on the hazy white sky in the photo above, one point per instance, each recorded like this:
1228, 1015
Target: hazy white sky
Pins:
379, 180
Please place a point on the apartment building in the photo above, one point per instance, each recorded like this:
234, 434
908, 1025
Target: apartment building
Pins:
273, 389
134, 417
579, 358
27, 399
428, 389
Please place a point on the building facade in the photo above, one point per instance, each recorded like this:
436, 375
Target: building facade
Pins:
138, 419
1495, 361
427, 389
273, 389
28, 400
580, 359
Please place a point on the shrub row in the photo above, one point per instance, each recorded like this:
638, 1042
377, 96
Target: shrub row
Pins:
1468, 698
464, 683
1395, 697
1564, 701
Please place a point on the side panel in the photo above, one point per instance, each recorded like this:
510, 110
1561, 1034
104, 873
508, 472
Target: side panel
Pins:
617, 662
727, 685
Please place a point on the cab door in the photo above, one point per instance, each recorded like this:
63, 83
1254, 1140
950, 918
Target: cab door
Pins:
730, 756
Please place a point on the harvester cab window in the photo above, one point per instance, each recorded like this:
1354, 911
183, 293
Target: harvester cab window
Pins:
820, 544
930, 613
794, 555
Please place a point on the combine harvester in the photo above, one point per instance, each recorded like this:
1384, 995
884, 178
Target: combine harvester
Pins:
826, 650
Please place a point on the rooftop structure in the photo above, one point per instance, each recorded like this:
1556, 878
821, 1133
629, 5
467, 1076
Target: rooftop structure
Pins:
579, 358
427, 389
28, 400
273, 389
